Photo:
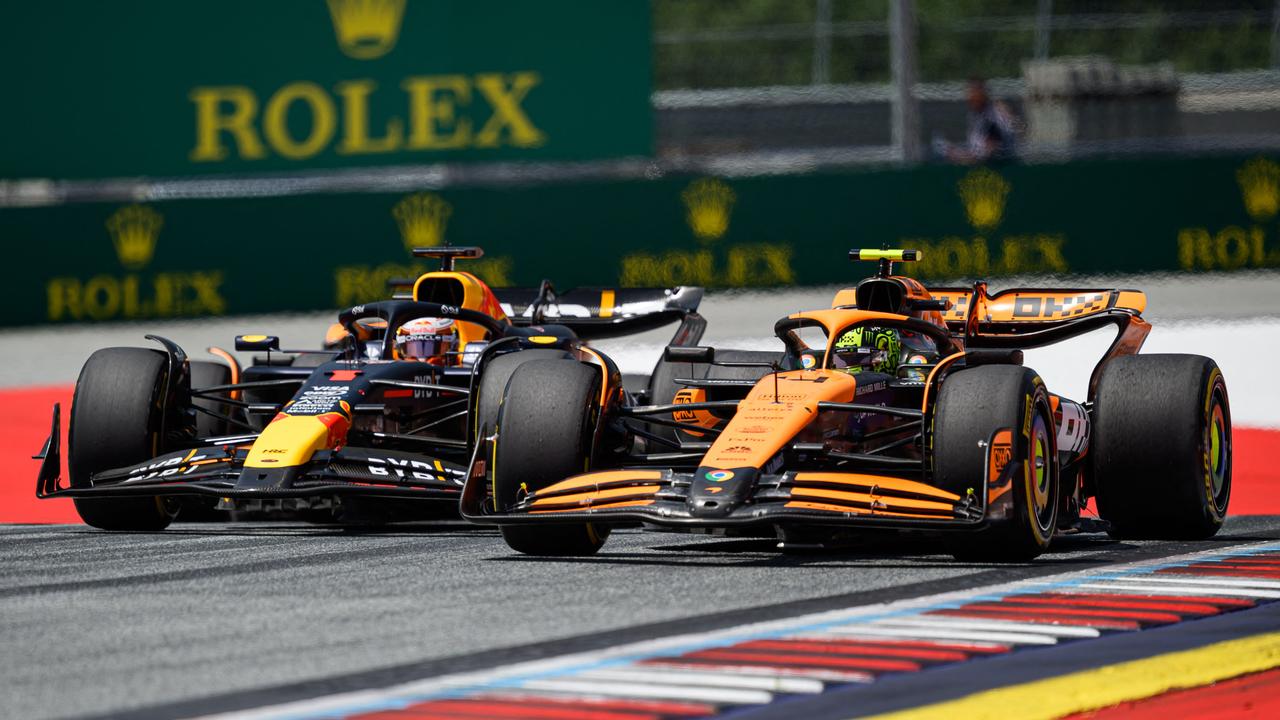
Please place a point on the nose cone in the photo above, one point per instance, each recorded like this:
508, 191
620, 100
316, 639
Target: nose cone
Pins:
716, 493
290, 441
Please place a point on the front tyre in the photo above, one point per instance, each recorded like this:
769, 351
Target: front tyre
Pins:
977, 409
1162, 447
115, 422
545, 430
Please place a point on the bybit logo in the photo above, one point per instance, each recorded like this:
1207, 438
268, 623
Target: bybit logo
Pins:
708, 203
366, 29
1260, 185
984, 192
422, 219
134, 230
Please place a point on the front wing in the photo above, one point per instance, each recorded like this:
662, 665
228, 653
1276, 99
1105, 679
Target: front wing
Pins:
219, 471
663, 498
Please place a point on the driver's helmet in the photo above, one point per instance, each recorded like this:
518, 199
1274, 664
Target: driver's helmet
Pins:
878, 349
426, 339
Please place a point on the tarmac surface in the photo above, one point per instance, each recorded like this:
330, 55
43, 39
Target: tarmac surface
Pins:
105, 624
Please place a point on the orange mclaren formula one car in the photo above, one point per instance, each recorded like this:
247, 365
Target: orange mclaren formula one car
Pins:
899, 407
379, 426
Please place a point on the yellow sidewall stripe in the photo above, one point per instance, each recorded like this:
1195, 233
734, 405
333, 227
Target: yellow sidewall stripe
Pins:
1109, 685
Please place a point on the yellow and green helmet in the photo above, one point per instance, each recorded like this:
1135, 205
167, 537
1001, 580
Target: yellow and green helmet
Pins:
885, 344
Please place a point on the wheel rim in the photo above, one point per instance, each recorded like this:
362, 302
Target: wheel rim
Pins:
1217, 448
1041, 475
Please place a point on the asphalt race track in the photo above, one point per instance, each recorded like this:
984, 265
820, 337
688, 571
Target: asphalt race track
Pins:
205, 618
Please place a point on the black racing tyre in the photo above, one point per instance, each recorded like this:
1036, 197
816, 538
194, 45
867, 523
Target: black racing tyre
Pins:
205, 374
115, 422
973, 406
493, 382
545, 433
1161, 447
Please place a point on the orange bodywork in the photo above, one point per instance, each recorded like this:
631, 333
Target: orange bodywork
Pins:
878, 481
579, 508
701, 418
742, 444
591, 498
998, 459
598, 479
870, 499
611, 488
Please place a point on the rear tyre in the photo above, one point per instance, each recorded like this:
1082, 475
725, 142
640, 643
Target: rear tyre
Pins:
115, 422
1162, 447
973, 406
545, 430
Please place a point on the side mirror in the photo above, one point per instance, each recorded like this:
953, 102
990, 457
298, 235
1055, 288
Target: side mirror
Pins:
251, 343
694, 354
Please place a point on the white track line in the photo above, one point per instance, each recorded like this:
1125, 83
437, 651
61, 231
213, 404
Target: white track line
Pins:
1225, 582
727, 666
1201, 591
772, 682
943, 645
959, 623
919, 633
653, 691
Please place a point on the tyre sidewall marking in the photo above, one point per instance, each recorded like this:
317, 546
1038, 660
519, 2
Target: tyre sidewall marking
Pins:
1211, 498
1042, 534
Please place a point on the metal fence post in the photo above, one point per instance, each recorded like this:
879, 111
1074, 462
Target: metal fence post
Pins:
902, 51
1044, 28
822, 42
1275, 36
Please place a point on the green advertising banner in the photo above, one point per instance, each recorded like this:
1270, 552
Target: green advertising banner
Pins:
162, 88
93, 262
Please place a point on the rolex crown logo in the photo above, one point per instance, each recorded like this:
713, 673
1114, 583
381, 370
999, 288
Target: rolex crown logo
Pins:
366, 29
422, 219
1260, 185
708, 203
983, 192
134, 230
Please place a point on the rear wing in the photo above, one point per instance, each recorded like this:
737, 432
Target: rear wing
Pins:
1032, 317
1036, 305
594, 313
